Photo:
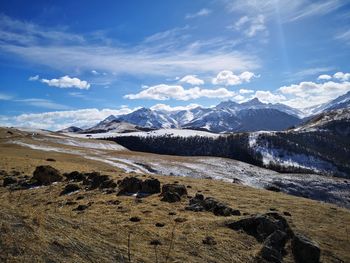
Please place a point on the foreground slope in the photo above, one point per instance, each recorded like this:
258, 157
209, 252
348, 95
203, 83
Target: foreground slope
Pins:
40, 225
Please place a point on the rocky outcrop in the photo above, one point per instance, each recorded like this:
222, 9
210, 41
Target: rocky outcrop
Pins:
172, 193
273, 230
305, 250
70, 188
46, 175
199, 203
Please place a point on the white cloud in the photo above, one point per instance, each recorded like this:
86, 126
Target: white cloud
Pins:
192, 79
269, 97
342, 76
287, 11
5, 96
94, 72
251, 26
309, 93
344, 36
57, 120
172, 52
202, 12
177, 92
227, 78
165, 107
34, 78
67, 82
324, 77
246, 91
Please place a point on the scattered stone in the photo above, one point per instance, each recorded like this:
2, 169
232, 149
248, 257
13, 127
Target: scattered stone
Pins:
189, 187
180, 220
70, 188
287, 213
70, 202
113, 202
80, 197
273, 188
155, 242
171, 197
305, 250
160, 224
237, 181
199, 204
209, 240
81, 208
50, 160
46, 175
135, 219
94, 180
273, 209
9, 181
172, 213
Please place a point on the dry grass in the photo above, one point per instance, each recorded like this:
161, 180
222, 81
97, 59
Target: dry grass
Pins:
39, 226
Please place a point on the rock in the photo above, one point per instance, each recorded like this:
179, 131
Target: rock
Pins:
273, 188
237, 181
171, 197
160, 225
273, 247
305, 250
174, 188
155, 242
81, 208
108, 184
208, 240
46, 175
150, 186
9, 180
287, 213
74, 176
261, 226
70, 188
198, 204
96, 180
129, 185
180, 220
50, 160
135, 219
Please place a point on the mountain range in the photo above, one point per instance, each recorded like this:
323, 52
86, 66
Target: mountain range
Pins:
227, 116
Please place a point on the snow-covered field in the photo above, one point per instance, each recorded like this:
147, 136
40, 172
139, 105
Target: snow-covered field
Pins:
328, 189
161, 132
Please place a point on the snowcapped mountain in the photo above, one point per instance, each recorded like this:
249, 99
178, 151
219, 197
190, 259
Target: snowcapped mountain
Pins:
71, 129
227, 116
338, 103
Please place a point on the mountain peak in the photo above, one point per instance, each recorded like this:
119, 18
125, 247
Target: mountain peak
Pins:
253, 102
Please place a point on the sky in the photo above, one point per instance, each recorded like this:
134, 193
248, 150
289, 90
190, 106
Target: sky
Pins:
68, 63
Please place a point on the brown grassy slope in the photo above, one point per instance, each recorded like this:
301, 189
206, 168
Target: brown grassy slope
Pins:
38, 225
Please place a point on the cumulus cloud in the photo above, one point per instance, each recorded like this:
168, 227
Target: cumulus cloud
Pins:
57, 120
342, 76
324, 77
165, 107
67, 82
246, 91
177, 92
202, 12
192, 79
227, 78
309, 93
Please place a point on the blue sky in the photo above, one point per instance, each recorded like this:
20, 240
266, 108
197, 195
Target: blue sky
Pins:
76, 62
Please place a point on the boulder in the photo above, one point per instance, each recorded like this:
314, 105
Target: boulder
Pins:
46, 175
129, 185
171, 197
273, 247
150, 186
95, 180
108, 184
174, 188
305, 250
70, 188
208, 240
